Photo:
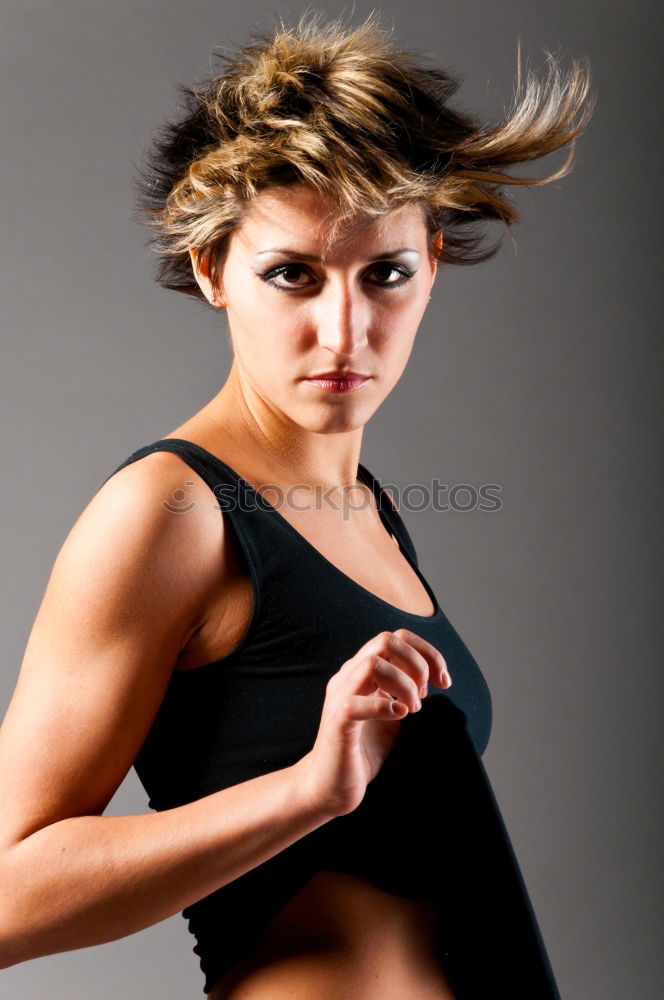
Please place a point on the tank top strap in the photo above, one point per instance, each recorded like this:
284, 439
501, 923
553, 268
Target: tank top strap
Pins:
233, 494
197, 458
247, 506
389, 512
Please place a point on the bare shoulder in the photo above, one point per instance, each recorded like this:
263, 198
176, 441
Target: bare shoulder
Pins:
160, 518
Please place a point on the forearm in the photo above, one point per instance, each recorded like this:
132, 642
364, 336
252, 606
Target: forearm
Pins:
86, 880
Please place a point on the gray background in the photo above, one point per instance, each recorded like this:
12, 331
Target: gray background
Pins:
537, 371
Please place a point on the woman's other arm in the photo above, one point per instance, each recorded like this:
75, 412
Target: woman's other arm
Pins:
128, 588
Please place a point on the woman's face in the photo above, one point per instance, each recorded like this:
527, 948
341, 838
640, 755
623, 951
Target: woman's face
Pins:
292, 315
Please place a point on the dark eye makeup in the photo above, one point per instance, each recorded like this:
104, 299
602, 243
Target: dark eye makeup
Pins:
269, 276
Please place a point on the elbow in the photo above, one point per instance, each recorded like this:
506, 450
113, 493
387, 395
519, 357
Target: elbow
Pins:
13, 946
16, 932
16, 942
9, 945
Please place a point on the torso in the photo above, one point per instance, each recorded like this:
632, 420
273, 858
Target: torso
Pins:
340, 935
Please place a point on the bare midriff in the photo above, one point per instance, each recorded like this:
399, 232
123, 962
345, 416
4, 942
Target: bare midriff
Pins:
342, 937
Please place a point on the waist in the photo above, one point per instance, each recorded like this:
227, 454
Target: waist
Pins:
341, 936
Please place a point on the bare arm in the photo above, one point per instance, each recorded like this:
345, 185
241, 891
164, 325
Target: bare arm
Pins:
89, 879
127, 589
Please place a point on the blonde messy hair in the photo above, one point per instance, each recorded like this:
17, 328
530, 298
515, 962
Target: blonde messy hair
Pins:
353, 116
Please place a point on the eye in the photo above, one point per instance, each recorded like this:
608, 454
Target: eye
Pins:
293, 270
406, 273
283, 270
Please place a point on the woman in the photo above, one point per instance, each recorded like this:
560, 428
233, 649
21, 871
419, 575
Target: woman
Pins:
281, 675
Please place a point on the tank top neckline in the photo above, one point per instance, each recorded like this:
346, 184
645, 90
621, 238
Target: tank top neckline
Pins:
367, 478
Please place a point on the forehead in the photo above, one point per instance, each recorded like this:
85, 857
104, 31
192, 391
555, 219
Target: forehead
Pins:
299, 217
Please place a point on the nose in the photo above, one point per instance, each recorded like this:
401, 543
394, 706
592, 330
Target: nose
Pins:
341, 319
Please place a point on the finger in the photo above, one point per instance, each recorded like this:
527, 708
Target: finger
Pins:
439, 672
397, 650
359, 708
379, 672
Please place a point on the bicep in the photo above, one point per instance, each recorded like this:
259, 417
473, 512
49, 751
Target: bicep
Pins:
123, 596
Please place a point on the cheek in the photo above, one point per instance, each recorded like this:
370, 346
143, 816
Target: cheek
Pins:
267, 347
405, 311
400, 329
396, 349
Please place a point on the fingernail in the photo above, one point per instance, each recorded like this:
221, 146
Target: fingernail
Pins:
424, 690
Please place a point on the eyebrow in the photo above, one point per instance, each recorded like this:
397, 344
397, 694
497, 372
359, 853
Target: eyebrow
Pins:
310, 256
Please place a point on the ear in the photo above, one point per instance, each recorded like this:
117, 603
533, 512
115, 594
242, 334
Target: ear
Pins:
438, 244
203, 281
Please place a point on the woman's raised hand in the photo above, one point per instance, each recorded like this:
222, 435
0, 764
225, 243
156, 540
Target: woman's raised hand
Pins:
360, 720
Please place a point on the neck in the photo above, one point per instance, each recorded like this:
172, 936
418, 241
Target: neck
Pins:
277, 447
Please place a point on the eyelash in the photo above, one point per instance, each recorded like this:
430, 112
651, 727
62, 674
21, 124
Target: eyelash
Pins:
268, 276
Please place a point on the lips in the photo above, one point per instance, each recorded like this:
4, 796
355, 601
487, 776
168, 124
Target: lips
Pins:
346, 374
338, 382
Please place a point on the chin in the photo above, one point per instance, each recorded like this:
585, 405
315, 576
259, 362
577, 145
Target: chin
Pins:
345, 429
335, 423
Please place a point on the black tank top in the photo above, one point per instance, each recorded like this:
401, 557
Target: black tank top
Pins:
428, 826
